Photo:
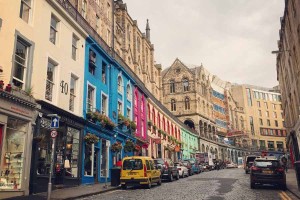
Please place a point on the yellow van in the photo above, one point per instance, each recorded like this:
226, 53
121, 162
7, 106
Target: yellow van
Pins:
139, 170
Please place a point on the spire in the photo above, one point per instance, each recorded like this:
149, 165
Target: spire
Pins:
148, 30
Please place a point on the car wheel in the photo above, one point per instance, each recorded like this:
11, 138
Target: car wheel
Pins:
171, 177
124, 186
252, 185
177, 177
159, 181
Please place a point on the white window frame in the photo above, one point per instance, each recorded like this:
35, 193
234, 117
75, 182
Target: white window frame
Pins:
73, 95
106, 109
56, 29
52, 83
25, 66
75, 39
129, 113
94, 97
129, 92
23, 2
120, 109
120, 84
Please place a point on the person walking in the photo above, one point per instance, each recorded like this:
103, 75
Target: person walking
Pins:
284, 163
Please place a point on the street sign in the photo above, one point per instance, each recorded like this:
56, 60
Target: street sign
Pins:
54, 122
53, 133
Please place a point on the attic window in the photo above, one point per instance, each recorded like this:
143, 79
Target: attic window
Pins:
177, 70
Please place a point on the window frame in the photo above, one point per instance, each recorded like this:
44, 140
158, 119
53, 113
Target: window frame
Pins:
93, 98
73, 94
55, 29
23, 2
51, 82
75, 39
104, 111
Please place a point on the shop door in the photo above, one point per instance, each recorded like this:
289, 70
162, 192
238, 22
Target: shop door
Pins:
96, 165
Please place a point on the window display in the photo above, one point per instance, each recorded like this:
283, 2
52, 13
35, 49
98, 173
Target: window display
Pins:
72, 152
88, 159
13, 154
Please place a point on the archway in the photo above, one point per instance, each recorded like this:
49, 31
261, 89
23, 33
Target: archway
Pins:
207, 149
189, 123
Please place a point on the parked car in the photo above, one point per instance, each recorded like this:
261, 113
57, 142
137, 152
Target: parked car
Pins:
183, 171
139, 170
195, 165
249, 162
231, 165
267, 171
201, 168
206, 167
188, 165
168, 170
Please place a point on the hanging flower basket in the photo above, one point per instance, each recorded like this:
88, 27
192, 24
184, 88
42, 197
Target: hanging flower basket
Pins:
132, 125
116, 147
91, 138
129, 146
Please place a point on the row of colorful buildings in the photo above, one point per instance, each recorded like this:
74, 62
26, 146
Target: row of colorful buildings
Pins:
88, 63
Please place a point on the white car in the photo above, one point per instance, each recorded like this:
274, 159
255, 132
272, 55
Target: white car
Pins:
183, 171
231, 165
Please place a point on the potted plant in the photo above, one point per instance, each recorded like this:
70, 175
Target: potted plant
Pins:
8, 88
116, 147
132, 125
91, 138
129, 146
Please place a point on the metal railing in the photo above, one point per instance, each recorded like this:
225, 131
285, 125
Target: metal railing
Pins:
49, 90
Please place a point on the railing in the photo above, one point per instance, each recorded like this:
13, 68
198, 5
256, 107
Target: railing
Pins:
49, 90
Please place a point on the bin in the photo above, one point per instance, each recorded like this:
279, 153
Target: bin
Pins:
297, 170
115, 174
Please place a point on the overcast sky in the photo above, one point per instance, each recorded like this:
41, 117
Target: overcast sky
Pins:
232, 38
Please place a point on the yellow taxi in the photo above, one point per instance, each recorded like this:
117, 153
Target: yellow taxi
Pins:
139, 170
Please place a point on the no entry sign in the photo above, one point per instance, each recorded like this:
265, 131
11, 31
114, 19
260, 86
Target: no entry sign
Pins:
53, 133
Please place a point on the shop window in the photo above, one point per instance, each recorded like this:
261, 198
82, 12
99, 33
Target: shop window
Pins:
88, 159
11, 175
72, 152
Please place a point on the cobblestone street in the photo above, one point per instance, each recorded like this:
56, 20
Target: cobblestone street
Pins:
228, 184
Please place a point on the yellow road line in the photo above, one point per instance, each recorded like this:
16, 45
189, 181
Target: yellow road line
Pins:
282, 196
285, 195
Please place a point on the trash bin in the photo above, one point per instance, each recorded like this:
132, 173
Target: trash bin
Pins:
115, 174
297, 170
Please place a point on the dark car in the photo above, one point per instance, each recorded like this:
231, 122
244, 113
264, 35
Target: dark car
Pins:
188, 165
249, 162
168, 170
267, 171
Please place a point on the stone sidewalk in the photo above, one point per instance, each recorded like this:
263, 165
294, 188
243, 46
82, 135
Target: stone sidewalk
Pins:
71, 193
291, 182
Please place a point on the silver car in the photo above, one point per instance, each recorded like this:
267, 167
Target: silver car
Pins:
183, 171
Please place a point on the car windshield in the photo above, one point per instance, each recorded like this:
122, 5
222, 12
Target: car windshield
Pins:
159, 162
133, 164
251, 159
266, 163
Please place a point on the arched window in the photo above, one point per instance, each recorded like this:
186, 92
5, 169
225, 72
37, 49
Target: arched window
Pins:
185, 83
173, 130
172, 86
128, 92
158, 120
187, 103
164, 124
173, 105
120, 83
168, 128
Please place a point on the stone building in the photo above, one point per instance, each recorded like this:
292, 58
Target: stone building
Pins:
288, 68
264, 123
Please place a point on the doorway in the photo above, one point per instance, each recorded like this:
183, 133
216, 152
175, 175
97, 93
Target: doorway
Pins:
96, 165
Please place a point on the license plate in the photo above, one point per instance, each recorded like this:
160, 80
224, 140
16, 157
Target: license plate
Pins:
267, 172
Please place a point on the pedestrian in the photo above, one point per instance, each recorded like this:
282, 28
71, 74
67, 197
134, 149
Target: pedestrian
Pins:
284, 162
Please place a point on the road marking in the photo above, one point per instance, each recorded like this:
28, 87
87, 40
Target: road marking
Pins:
282, 196
285, 195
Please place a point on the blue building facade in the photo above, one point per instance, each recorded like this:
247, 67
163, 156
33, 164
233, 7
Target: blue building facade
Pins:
107, 95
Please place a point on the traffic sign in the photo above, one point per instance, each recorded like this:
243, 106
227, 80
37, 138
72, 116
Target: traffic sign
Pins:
54, 122
53, 133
